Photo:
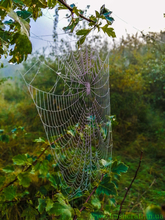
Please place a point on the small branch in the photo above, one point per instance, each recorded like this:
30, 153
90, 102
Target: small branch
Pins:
71, 10
75, 217
130, 185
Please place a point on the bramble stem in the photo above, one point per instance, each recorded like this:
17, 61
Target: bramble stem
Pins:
75, 217
130, 185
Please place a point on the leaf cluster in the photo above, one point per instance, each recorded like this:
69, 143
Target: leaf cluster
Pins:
33, 186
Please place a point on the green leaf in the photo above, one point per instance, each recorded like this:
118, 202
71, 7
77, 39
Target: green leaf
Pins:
61, 210
97, 14
49, 204
81, 41
78, 195
44, 169
5, 4
39, 140
77, 212
49, 3
106, 187
96, 202
89, 207
20, 159
103, 10
112, 201
107, 13
8, 169
83, 32
72, 25
18, 2
29, 161
24, 179
48, 157
93, 18
43, 190
52, 179
41, 205
85, 215
109, 31
24, 14
30, 213
36, 167
21, 49
76, 11
97, 215
9, 193
119, 167
109, 19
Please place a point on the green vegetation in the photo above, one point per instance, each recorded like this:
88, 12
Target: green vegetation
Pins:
137, 80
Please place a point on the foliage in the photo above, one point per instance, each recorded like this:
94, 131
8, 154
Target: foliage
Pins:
16, 30
34, 184
137, 101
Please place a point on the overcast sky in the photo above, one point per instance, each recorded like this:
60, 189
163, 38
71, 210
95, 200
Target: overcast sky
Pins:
130, 16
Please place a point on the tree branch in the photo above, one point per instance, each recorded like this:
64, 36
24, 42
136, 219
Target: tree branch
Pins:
130, 185
71, 10
75, 217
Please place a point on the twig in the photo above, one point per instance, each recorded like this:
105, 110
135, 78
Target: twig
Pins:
71, 10
130, 185
75, 217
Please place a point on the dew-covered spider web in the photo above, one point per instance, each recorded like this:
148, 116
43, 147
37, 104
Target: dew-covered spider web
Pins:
72, 97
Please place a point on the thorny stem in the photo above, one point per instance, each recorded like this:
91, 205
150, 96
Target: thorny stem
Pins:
130, 185
83, 207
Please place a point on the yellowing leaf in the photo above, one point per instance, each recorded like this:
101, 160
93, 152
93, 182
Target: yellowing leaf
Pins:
24, 179
20, 159
25, 27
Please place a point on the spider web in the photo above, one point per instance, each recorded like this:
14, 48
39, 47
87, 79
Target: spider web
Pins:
73, 104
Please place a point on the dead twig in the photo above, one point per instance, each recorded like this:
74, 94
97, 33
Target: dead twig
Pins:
130, 185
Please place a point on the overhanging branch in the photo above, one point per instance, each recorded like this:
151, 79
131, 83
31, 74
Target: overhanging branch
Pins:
71, 10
